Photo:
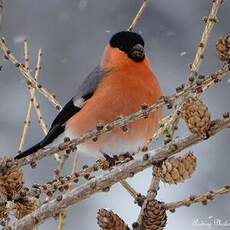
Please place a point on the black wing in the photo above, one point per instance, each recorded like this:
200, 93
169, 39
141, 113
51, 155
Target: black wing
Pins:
84, 92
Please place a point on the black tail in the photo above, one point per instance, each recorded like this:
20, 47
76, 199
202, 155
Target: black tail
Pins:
53, 133
29, 151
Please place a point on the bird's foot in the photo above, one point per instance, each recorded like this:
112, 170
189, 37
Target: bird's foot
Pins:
111, 161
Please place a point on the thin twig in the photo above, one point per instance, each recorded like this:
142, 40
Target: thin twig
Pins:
28, 76
41, 120
115, 175
33, 99
138, 15
30, 106
129, 189
61, 220
26, 55
75, 162
25, 127
35, 102
61, 164
203, 198
210, 21
151, 194
63, 213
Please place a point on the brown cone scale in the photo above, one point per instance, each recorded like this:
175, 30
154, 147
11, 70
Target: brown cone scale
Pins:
108, 220
223, 48
177, 170
154, 216
27, 206
12, 182
196, 115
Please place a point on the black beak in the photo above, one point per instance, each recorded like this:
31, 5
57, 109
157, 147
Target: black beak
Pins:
137, 53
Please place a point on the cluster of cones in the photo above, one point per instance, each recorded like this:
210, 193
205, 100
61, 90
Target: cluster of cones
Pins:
153, 218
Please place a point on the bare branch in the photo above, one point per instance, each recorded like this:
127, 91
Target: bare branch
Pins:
151, 194
210, 21
63, 214
203, 198
30, 106
27, 75
138, 15
129, 189
34, 100
25, 127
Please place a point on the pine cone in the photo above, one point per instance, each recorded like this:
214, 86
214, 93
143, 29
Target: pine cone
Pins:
197, 116
177, 170
3, 208
12, 182
223, 48
3, 213
108, 220
154, 216
25, 207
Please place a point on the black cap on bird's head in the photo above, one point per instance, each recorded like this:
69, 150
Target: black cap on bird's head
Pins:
131, 43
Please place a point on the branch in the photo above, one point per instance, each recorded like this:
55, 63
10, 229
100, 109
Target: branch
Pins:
27, 121
199, 57
41, 120
26, 73
210, 21
138, 15
130, 189
63, 214
33, 99
203, 198
115, 175
151, 194
210, 79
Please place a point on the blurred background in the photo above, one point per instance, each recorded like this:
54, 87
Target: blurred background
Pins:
73, 34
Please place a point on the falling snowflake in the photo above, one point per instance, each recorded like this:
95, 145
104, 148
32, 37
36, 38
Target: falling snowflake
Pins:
183, 53
83, 4
19, 39
170, 33
64, 61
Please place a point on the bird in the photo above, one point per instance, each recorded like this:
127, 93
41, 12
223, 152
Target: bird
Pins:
121, 83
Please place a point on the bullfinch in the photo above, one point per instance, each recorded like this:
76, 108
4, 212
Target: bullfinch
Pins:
118, 86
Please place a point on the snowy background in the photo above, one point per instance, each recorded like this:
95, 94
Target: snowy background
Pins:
72, 34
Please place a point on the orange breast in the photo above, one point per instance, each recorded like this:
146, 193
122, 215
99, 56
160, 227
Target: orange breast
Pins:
121, 93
